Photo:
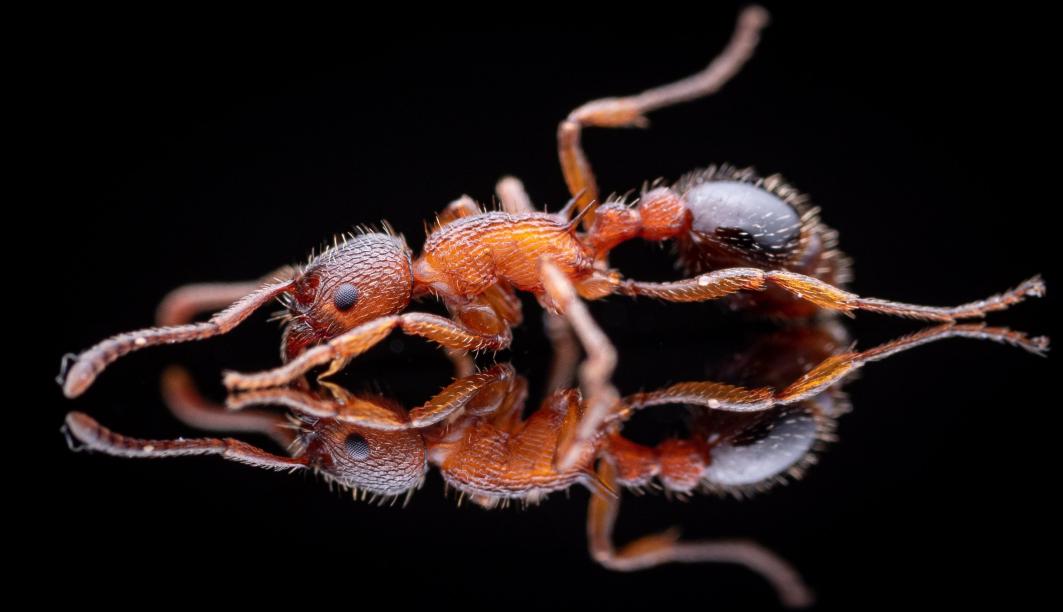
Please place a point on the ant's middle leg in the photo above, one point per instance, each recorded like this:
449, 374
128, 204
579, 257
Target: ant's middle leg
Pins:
631, 111
600, 397
482, 392
565, 347
721, 283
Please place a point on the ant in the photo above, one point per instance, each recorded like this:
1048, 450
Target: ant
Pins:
754, 241
739, 439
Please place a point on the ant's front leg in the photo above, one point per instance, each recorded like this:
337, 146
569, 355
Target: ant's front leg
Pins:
341, 349
482, 392
631, 111
720, 283
656, 549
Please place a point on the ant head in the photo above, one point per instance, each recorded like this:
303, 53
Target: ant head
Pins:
366, 277
380, 462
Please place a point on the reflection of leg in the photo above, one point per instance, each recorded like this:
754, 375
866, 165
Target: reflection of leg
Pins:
720, 283
488, 387
82, 428
348, 345
566, 352
631, 110
515, 200
600, 397
826, 374
181, 396
653, 550
512, 196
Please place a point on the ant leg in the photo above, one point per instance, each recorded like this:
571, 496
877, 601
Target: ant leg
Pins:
352, 409
462, 207
445, 332
657, 549
88, 365
566, 351
475, 391
183, 303
499, 295
600, 397
81, 428
512, 196
720, 283
181, 396
826, 374
630, 111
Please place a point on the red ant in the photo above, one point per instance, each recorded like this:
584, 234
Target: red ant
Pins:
736, 233
740, 440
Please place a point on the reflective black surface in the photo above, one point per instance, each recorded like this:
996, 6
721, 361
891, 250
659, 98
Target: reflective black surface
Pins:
919, 135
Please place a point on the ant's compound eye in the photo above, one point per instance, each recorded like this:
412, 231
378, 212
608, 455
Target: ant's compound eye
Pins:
345, 297
357, 446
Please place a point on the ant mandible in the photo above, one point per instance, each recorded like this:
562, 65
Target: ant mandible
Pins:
736, 233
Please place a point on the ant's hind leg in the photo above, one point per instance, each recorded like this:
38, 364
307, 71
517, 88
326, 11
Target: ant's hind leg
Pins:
720, 283
630, 111
656, 549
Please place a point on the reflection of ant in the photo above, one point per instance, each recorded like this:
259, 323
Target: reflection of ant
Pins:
755, 241
739, 439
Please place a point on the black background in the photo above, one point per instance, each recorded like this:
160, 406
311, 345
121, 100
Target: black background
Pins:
928, 139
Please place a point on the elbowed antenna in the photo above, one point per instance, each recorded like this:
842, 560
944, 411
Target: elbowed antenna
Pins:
88, 365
